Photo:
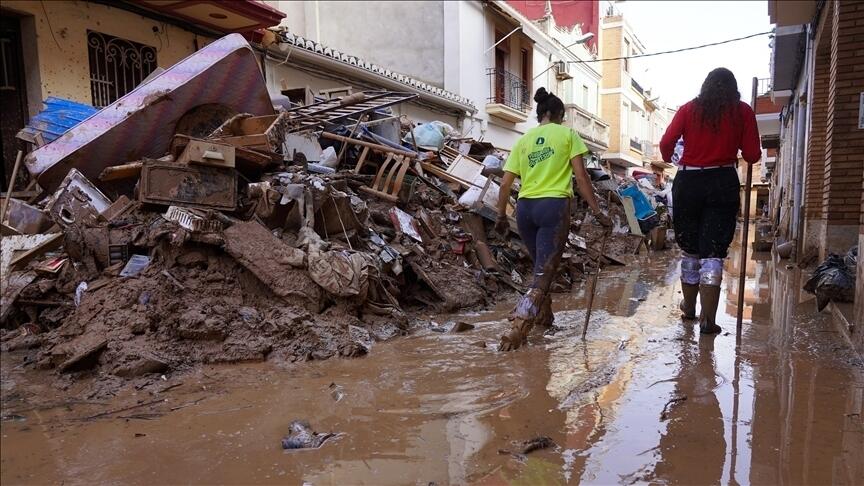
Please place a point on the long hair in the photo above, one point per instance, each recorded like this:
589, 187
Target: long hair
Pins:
549, 103
718, 95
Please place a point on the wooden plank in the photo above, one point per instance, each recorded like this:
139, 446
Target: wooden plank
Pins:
361, 160
630, 212
257, 141
255, 124
374, 146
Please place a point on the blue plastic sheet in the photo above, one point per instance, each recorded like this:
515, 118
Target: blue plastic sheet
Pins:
57, 118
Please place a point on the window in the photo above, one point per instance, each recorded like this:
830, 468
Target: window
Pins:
585, 97
625, 54
511, 88
117, 66
525, 63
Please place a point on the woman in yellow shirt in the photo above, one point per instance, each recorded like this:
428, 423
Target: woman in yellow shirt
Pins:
545, 159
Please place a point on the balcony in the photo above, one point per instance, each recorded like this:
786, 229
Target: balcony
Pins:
594, 131
510, 97
637, 87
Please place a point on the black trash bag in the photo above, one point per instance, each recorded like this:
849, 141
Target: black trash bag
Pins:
834, 279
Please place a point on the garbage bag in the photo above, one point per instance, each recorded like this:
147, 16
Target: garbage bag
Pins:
430, 135
834, 279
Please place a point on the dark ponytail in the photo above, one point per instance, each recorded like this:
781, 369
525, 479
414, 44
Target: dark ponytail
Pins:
549, 103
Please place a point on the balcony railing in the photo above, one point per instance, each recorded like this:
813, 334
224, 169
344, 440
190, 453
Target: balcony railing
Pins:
637, 86
589, 126
508, 89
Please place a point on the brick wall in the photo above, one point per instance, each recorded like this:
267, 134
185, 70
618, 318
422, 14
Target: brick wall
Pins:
610, 46
815, 178
844, 147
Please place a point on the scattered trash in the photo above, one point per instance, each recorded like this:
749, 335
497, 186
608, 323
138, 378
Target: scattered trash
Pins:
252, 232
79, 293
521, 448
135, 265
301, 436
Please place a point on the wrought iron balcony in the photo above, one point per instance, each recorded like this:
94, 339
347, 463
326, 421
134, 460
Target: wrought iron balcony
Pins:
507, 89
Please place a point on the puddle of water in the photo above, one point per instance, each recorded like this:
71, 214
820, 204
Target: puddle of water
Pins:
645, 399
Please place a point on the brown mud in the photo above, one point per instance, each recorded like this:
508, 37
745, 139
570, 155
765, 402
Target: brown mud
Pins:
644, 399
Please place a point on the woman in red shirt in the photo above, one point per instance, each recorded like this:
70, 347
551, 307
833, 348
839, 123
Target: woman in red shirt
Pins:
715, 126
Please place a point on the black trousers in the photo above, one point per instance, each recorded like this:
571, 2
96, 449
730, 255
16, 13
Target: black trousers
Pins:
706, 210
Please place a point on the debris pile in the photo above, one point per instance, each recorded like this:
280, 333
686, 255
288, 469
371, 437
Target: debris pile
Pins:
252, 233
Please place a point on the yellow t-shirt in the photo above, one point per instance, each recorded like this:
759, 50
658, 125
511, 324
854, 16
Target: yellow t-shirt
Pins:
541, 158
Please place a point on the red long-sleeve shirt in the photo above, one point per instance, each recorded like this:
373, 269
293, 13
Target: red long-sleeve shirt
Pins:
706, 147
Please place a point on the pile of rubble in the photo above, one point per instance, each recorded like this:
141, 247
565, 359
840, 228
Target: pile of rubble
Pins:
237, 231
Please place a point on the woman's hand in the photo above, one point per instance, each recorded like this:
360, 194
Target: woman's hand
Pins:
502, 225
603, 219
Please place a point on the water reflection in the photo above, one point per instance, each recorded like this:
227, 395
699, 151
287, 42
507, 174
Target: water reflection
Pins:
693, 449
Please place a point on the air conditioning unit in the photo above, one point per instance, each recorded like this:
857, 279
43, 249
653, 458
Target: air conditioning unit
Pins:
562, 71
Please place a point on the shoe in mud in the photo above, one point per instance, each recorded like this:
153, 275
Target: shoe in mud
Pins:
687, 306
709, 328
546, 318
685, 312
517, 336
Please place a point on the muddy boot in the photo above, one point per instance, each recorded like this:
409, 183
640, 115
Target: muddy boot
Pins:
709, 297
517, 336
546, 317
688, 304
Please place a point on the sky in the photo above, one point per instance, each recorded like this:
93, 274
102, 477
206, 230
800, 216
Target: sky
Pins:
667, 25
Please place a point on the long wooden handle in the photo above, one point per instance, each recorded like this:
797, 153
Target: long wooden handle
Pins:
744, 237
11, 186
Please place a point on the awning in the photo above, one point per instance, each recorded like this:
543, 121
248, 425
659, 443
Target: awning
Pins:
219, 16
788, 53
784, 12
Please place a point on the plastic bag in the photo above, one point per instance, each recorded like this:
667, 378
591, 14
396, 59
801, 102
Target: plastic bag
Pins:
429, 135
834, 279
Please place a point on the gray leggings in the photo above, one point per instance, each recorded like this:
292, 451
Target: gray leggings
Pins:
543, 225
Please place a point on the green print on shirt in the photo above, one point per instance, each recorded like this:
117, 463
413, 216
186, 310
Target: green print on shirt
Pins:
538, 156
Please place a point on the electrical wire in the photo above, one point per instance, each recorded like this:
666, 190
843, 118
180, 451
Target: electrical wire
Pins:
48, 19
659, 53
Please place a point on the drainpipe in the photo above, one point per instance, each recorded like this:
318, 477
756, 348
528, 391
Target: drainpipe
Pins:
800, 122
810, 66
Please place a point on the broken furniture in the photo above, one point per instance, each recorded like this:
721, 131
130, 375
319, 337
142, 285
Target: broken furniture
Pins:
141, 124
391, 173
205, 152
263, 133
200, 186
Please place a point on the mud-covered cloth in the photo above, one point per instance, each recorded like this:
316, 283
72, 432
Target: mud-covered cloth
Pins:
706, 210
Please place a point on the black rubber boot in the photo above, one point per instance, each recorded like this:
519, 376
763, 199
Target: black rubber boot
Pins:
709, 297
688, 304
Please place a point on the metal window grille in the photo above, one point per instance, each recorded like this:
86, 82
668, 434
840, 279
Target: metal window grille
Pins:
508, 89
117, 66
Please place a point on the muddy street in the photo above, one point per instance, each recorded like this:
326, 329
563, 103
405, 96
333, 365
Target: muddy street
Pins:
645, 399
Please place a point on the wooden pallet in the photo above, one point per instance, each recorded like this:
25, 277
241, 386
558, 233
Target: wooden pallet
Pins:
319, 115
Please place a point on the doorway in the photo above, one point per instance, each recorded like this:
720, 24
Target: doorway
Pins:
13, 95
